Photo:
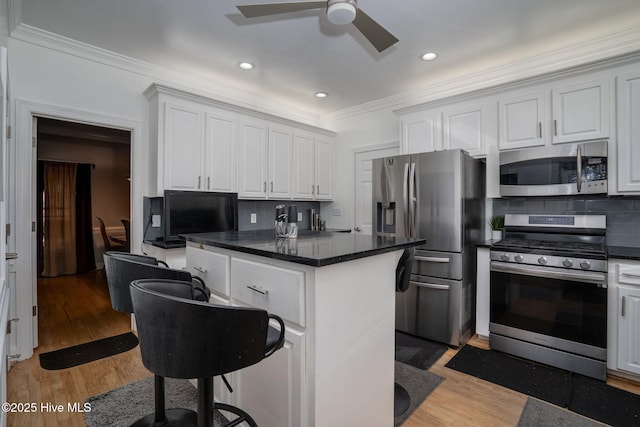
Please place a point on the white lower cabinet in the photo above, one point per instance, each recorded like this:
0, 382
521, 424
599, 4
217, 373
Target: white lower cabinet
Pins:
272, 391
624, 316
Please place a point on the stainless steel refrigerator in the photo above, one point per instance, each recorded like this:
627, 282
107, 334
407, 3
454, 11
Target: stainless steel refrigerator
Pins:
439, 197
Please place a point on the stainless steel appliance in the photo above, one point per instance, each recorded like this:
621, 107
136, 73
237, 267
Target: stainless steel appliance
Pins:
548, 291
554, 171
437, 196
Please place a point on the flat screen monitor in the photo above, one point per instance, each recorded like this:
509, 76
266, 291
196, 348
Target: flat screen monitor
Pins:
187, 212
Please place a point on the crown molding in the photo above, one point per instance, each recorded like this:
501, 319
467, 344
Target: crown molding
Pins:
161, 75
612, 47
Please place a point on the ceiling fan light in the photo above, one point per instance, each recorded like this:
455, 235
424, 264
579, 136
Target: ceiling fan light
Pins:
341, 13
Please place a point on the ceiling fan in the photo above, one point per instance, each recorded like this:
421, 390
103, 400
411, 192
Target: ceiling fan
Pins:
339, 12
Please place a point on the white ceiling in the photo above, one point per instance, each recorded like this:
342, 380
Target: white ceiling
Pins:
300, 53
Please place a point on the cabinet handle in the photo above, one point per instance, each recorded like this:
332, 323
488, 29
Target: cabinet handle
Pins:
635, 276
264, 186
555, 128
208, 183
272, 186
539, 129
202, 270
313, 189
624, 300
318, 189
199, 179
258, 289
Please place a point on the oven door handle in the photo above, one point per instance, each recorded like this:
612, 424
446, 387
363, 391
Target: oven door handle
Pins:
533, 270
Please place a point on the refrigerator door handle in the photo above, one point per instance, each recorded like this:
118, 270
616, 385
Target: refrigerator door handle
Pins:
412, 201
429, 285
405, 199
432, 259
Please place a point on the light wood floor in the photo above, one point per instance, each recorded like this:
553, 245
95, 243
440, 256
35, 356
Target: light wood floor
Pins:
76, 309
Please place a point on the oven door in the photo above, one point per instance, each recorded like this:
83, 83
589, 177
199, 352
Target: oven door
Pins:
561, 309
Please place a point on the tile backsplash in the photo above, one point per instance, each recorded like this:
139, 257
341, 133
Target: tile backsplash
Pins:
265, 211
623, 213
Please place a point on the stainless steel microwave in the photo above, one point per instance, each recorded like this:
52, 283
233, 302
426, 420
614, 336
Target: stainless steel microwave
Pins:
555, 171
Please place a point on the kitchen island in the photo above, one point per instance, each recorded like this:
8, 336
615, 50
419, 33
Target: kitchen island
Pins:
336, 294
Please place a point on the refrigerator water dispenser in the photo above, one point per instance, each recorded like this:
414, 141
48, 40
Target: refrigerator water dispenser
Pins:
386, 216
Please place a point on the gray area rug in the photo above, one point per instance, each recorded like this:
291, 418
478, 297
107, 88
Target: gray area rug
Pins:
122, 406
537, 413
419, 383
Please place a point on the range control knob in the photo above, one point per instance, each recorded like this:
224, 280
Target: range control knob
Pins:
567, 263
519, 258
585, 265
542, 260
504, 257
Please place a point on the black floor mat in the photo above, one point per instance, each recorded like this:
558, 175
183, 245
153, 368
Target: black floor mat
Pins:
580, 394
417, 352
88, 352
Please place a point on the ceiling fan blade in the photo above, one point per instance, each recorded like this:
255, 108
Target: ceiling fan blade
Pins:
257, 10
380, 38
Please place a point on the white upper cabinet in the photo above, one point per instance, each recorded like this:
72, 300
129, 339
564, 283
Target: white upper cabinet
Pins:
280, 169
464, 127
521, 121
303, 166
183, 144
581, 111
313, 166
628, 150
554, 115
219, 152
323, 166
252, 160
202, 144
421, 132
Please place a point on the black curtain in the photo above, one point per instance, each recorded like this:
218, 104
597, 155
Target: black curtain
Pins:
84, 220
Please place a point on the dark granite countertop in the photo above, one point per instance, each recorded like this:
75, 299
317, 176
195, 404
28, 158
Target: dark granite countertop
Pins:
487, 243
316, 249
623, 252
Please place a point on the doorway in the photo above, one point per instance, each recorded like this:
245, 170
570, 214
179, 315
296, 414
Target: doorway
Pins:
95, 161
83, 172
364, 185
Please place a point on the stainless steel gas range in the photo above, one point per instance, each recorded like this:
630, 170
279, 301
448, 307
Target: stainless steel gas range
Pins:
548, 288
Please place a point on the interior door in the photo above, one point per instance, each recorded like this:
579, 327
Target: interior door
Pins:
364, 187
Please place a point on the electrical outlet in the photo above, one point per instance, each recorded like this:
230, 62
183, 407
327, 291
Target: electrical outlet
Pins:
155, 221
299, 216
337, 211
254, 218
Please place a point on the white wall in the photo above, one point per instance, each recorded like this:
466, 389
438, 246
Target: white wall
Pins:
355, 133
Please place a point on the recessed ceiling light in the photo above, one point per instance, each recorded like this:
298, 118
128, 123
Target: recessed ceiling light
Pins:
429, 56
321, 94
246, 65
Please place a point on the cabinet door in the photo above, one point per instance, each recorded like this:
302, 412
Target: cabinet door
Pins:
463, 128
581, 111
629, 329
183, 145
421, 133
522, 121
252, 161
280, 146
220, 138
628, 156
324, 168
273, 390
303, 167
